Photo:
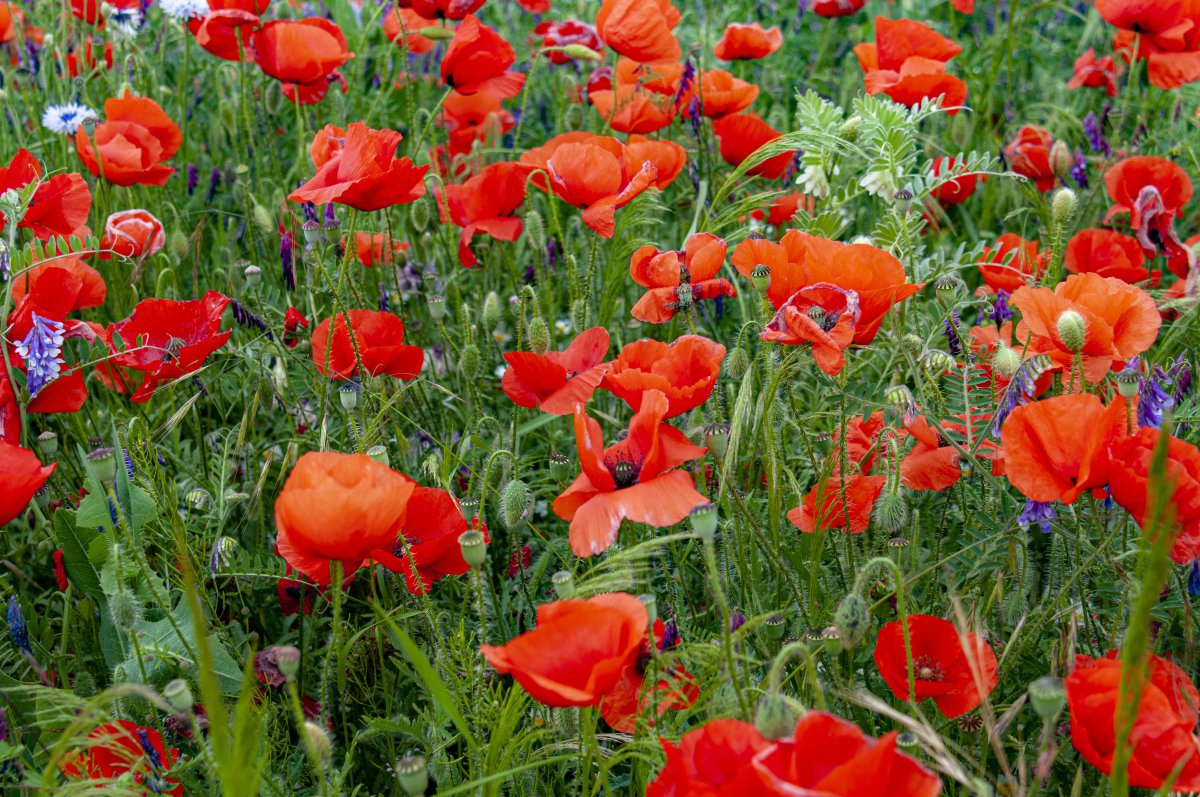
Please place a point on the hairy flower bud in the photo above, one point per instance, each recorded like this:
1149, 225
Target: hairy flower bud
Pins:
1062, 207
515, 501
419, 213
539, 335
470, 361
891, 512
124, 609
737, 363
1072, 330
852, 620
775, 718
319, 741
491, 311
1005, 361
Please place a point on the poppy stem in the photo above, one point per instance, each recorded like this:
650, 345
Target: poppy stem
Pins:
710, 559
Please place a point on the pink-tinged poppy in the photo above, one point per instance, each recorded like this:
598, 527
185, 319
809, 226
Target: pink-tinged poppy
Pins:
478, 59
377, 345
747, 42
556, 382
562, 33
132, 233
1028, 154
1096, 73
60, 203
820, 316
685, 372
303, 55
485, 204
640, 29
23, 474
675, 281
362, 172
740, 135
1108, 254
837, 8
1153, 192
636, 478
132, 144
956, 670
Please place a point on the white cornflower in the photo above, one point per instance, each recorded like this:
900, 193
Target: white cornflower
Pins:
66, 119
184, 9
126, 21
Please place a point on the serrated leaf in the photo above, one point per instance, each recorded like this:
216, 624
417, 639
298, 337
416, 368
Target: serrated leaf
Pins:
74, 543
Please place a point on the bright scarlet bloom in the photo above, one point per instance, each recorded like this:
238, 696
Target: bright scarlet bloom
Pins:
934, 464
556, 382
476, 117
821, 316
445, 9
1131, 486
1058, 448
1012, 263
429, 540
823, 509
1153, 192
374, 249
685, 372
133, 233
69, 285
226, 30
116, 749
783, 208
640, 29
165, 340
635, 478
741, 42
399, 25
1109, 254
344, 508
363, 172
560, 33
641, 98
837, 8
907, 62
802, 260
1028, 154
741, 134
293, 322
945, 664
134, 141
958, 189
23, 475
485, 204
1162, 738
1120, 321
722, 94
478, 59
714, 760
1165, 33
60, 203
1096, 73
380, 343
630, 697
677, 280
303, 55
578, 650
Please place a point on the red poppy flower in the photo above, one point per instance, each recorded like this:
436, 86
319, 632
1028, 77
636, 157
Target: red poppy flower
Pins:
1153, 192
640, 29
301, 54
445, 9
70, 285
852, 516
11, 20
478, 59
485, 204
23, 475
364, 173
958, 189
132, 233
226, 30
1058, 448
60, 571
907, 62
399, 25
134, 141
783, 208
740, 135
561, 33
290, 591
633, 107
721, 94
373, 249
1162, 738
10, 412
378, 340
668, 158
677, 280
837, 8
339, 507
742, 42
60, 204
713, 760
475, 117
1109, 254
634, 478
82, 60
1120, 321
1131, 461
293, 320
1165, 33
934, 464
429, 540
1012, 263
917, 80
578, 650
556, 382
1028, 154
801, 260
596, 173
685, 372
121, 748
821, 316
630, 698
963, 6
945, 663
1096, 73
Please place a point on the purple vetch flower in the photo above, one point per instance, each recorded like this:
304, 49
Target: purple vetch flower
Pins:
694, 114
246, 318
1193, 586
670, 638
383, 299
193, 178
1078, 169
285, 258
330, 215
951, 328
736, 620
1092, 127
17, 628
1154, 398
686, 81
214, 182
1038, 512
41, 350
309, 210
1000, 311
1020, 388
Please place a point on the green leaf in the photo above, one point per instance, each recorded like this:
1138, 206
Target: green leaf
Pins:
161, 639
74, 543
430, 680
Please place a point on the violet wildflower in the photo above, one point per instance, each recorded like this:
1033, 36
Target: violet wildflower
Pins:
1041, 513
246, 318
1000, 311
1092, 127
670, 637
1020, 388
17, 628
383, 299
952, 338
1078, 170
41, 350
1193, 585
736, 620
214, 182
285, 258
193, 178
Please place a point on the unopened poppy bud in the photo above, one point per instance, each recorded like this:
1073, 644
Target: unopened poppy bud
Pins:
419, 214
539, 335
312, 232
104, 463
262, 217
514, 503
579, 314
379, 454
469, 507
737, 363
179, 695
535, 229
912, 344
572, 116
703, 520
469, 361
473, 547
1061, 159
716, 438
900, 397
563, 582
775, 718
1072, 330
891, 512
560, 467
413, 774
760, 278
47, 443
1062, 207
1047, 696
1129, 382
287, 659
774, 627
579, 52
436, 32
348, 395
651, 603
491, 311
177, 244
1005, 361
947, 288
849, 129
124, 609
319, 741
852, 619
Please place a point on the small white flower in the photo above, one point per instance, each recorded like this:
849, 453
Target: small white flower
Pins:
66, 119
814, 181
563, 326
499, 372
184, 9
126, 21
881, 183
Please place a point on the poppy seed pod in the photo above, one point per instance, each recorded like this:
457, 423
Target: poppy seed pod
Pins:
473, 547
469, 507
104, 463
560, 467
704, 521
760, 278
774, 627
312, 232
1129, 382
179, 695
563, 582
775, 718
1047, 696
852, 620
1072, 330
47, 443
1062, 207
716, 438
437, 306
379, 454
348, 395
539, 335
1005, 361
514, 503
412, 772
947, 288
319, 741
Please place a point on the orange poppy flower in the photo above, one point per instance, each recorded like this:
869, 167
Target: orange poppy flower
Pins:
1012, 263
478, 59
721, 94
677, 280
83, 60
963, 6
1131, 461
1153, 192
837, 8
339, 507
363, 172
822, 316
399, 25
132, 233
123, 750
668, 158
801, 260
907, 62
475, 117
635, 478
742, 42
1028, 154
23, 475
1096, 73
1120, 321
934, 464
852, 516
640, 29
61, 203
958, 189
1058, 448
1109, 254
302, 54
11, 19
578, 650
741, 134
134, 141
226, 30
1164, 33
945, 663
917, 80
556, 382
640, 98
379, 337
374, 249
1162, 739
685, 372
432, 525
485, 204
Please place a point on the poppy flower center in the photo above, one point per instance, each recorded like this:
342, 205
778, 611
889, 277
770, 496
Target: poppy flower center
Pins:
928, 670
624, 472
172, 349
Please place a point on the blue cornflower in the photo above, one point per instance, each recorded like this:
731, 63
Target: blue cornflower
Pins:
42, 352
